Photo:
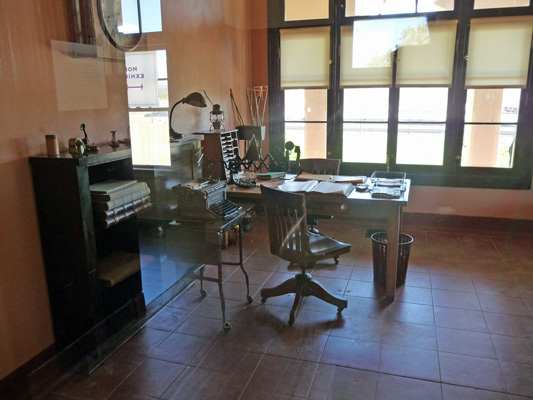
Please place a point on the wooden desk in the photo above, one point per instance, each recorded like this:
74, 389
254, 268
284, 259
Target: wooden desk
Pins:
357, 205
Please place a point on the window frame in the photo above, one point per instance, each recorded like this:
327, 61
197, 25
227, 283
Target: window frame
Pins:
451, 173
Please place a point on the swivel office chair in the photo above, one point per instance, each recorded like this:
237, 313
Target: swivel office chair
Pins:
327, 166
291, 240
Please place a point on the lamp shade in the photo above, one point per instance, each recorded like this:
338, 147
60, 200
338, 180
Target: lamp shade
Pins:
194, 99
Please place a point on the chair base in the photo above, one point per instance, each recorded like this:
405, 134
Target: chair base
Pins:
303, 285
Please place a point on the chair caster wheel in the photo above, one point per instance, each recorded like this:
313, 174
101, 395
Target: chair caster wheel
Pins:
203, 292
263, 300
339, 310
249, 299
226, 326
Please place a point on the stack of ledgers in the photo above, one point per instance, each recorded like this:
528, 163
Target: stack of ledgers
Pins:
114, 201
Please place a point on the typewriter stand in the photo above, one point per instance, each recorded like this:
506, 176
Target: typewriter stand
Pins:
220, 227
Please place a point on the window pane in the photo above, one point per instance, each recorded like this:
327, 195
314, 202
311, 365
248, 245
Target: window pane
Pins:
306, 105
379, 7
479, 4
492, 105
488, 146
423, 104
161, 64
151, 15
298, 10
370, 104
310, 137
420, 144
364, 143
304, 57
149, 138
435, 5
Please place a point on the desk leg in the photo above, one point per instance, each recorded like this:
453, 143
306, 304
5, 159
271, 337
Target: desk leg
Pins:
202, 290
393, 235
225, 324
241, 264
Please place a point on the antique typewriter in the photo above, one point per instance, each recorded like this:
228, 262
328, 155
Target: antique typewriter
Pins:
204, 201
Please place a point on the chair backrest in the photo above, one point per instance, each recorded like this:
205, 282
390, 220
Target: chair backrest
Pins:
287, 225
320, 165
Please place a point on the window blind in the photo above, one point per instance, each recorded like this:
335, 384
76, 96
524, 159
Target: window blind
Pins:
376, 72
498, 52
305, 58
429, 64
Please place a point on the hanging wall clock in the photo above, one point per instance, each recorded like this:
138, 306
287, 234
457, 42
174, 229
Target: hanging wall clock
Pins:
110, 15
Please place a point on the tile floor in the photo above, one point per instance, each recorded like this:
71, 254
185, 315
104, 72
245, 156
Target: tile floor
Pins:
460, 328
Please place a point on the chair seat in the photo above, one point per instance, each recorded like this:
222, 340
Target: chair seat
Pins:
324, 246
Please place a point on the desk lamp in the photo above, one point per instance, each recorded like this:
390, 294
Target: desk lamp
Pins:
194, 99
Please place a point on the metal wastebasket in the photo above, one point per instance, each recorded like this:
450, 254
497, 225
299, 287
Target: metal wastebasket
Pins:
379, 255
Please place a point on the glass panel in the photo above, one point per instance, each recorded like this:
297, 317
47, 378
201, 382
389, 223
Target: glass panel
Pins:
492, 105
149, 138
161, 64
498, 52
435, 5
151, 15
305, 58
480, 4
306, 105
420, 144
488, 146
379, 7
364, 143
370, 104
423, 104
310, 137
299, 10
129, 16
162, 88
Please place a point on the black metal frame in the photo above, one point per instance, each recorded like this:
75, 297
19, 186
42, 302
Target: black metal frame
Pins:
451, 173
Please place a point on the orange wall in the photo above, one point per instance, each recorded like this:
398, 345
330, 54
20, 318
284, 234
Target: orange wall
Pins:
208, 47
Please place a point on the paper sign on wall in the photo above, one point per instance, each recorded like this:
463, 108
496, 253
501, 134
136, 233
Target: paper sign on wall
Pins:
141, 75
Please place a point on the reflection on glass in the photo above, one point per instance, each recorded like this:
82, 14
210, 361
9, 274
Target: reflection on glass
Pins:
366, 104
162, 88
306, 104
130, 17
423, 104
310, 137
149, 138
299, 10
420, 144
375, 40
379, 7
488, 146
364, 143
492, 105
481, 4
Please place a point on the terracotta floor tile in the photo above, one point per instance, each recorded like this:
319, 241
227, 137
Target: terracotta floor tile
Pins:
455, 318
168, 319
482, 373
337, 271
365, 289
497, 287
509, 325
410, 313
335, 382
181, 348
465, 342
362, 274
262, 263
366, 307
351, 353
305, 346
408, 335
411, 294
418, 279
504, 305
357, 328
135, 350
452, 282
200, 326
410, 362
392, 387
514, 349
151, 378
519, 378
462, 300
452, 392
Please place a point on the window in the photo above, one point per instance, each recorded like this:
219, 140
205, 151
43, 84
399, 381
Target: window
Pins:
439, 89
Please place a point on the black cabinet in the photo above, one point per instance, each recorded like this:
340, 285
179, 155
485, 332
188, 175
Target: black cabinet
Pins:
85, 313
